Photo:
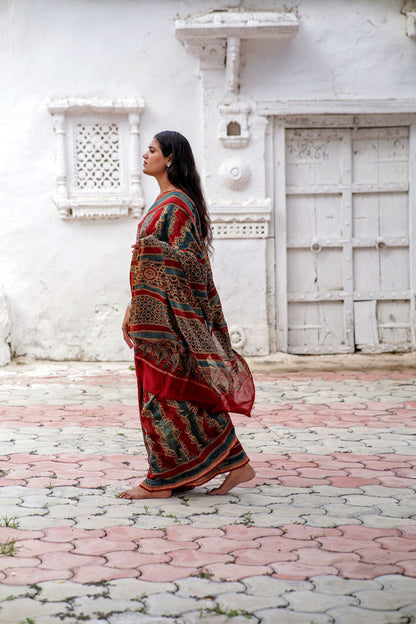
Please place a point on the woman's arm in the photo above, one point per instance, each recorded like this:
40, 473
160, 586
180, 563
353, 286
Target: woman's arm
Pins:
125, 327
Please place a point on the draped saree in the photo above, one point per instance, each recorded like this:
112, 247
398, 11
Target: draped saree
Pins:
188, 375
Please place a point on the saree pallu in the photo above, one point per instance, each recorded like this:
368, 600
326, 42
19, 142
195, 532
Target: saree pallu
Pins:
181, 341
189, 377
186, 444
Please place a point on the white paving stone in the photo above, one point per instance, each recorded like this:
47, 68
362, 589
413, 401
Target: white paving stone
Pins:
124, 589
382, 600
16, 611
37, 523
283, 616
98, 522
355, 615
95, 605
369, 501
317, 602
207, 617
200, 588
52, 619
270, 586
35, 500
329, 584
55, 591
234, 602
344, 510
11, 592
172, 605
334, 492
332, 521
380, 522
397, 583
135, 618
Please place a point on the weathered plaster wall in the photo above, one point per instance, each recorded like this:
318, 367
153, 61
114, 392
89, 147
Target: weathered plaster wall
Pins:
343, 49
66, 282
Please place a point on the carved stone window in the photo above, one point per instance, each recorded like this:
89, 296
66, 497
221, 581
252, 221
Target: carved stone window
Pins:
97, 157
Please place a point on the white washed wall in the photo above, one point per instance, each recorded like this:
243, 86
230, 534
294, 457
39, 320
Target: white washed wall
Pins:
66, 282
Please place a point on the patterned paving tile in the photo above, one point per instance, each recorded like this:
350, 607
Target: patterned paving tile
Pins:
332, 503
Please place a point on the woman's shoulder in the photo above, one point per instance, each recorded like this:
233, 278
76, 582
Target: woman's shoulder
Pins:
176, 196
177, 199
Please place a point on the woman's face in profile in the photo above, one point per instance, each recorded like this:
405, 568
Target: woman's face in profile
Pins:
154, 162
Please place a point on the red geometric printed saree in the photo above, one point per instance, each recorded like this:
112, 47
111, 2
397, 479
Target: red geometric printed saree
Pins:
188, 375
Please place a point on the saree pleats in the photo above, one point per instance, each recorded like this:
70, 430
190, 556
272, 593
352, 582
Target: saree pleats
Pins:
186, 444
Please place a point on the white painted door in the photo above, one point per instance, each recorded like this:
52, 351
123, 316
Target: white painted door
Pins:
347, 240
382, 297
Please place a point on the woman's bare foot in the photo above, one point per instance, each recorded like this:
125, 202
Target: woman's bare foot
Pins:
235, 477
139, 492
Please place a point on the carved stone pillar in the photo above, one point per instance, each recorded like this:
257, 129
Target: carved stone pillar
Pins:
61, 165
136, 198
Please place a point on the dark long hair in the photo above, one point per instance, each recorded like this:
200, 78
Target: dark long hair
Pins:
183, 174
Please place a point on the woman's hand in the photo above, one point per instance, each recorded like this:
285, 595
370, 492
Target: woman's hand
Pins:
125, 327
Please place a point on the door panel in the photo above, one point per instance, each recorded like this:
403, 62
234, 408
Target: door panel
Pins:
381, 237
365, 324
380, 273
315, 273
313, 326
317, 175
394, 270
393, 320
313, 215
313, 157
393, 209
380, 215
380, 155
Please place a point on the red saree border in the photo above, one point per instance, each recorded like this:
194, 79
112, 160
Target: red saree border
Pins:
169, 386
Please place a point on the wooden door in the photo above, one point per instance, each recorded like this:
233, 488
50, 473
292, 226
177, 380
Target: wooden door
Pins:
347, 240
382, 297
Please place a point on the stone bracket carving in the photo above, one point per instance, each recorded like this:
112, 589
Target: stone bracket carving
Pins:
242, 219
98, 152
233, 27
216, 37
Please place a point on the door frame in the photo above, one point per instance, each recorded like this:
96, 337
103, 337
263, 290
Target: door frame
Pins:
329, 114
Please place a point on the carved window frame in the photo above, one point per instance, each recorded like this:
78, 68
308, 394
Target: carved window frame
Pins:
98, 119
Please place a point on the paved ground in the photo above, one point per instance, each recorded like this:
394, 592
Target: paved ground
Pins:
325, 534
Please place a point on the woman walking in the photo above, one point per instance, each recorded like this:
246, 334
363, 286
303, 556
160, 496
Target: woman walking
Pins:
188, 375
